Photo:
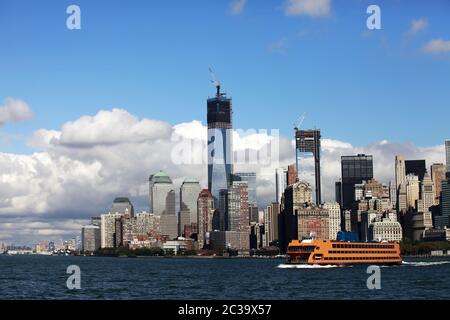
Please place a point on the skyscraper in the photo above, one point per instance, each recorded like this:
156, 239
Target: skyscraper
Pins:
238, 217
438, 175
447, 154
416, 167
308, 142
400, 171
355, 169
445, 204
334, 216
90, 238
412, 190
122, 206
280, 183
220, 144
427, 195
205, 209
292, 176
189, 192
162, 194
250, 178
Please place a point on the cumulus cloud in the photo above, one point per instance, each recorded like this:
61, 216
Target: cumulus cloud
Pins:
237, 7
416, 26
78, 170
437, 46
14, 110
313, 8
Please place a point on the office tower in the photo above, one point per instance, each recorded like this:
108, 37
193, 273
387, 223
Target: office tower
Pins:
427, 198
338, 192
416, 167
313, 222
271, 223
447, 154
220, 144
162, 194
238, 217
122, 206
205, 207
307, 143
393, 194
445, 203
222, 210
438, 175
280, 183
412, 190
253, 212
250, 178
169, 226
334, 223
189, 192
108, 230
400, 171
402, 202
355, 169
292, 176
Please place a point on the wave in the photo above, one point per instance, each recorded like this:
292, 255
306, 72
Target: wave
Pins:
424, 264
308, 266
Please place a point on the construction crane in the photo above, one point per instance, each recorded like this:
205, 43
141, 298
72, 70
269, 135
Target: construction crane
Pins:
299, 122
215, 81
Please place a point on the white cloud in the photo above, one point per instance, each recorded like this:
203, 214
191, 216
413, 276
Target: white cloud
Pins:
279, 46
81, 168
313, 8
14, 110
416, 26
238, 6
437, 46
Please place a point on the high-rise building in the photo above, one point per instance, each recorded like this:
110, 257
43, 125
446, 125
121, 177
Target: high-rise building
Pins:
427, 198
271, 223
438, 175
355, 169
313, 222
162, 194
292, 175
416, 167
338, 192
122, 206
445, 203
393, 194
250, 178
205, 207
109, 237
280, 183
400, 171
189, 192
220, 144
308, 142
412, 190
238, 217
334, 216
402, 202
447, 154
253, 212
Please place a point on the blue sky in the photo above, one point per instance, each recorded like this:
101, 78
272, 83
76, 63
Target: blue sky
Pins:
152, 58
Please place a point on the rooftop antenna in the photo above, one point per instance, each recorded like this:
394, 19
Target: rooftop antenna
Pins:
215, 81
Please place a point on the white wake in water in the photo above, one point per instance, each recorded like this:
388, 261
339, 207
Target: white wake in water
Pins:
424, 264
307, 266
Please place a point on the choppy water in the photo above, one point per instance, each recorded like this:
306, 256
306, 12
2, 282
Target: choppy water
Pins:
38, 277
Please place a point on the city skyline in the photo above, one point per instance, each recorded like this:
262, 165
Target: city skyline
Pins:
107, 145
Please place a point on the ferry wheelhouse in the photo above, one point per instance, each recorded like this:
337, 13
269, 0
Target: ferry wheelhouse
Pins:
326, 252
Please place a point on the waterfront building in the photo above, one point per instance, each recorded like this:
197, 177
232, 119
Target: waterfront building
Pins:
109, 236
355, 170
334, 223
385, 229
236, 240
280, 183
90, 238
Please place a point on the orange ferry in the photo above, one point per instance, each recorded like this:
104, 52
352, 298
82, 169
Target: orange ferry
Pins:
326, 252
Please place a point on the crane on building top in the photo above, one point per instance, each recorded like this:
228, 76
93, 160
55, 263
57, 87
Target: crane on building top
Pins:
215, 81
299, 122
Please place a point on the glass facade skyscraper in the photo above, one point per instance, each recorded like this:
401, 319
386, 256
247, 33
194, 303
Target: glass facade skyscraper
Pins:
355, 170
250, 178
220, 144
416, 167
